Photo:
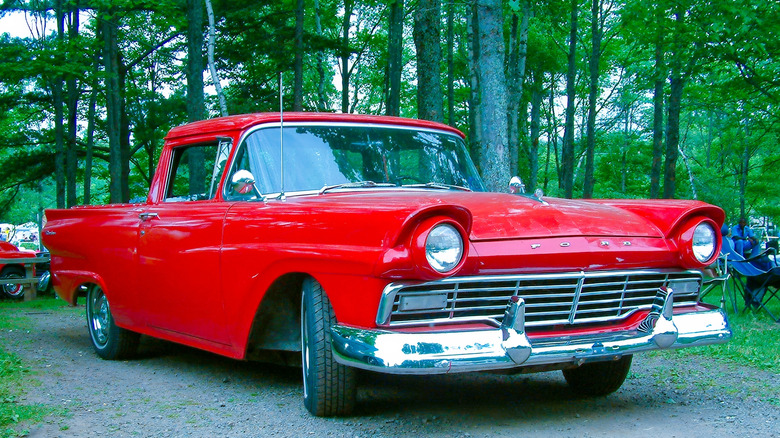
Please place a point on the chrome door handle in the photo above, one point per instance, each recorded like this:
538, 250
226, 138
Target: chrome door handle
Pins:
146, 216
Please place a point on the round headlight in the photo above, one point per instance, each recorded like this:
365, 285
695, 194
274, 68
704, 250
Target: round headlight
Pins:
704, 242
443, 248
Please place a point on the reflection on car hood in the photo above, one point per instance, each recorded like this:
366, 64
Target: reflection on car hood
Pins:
497, 216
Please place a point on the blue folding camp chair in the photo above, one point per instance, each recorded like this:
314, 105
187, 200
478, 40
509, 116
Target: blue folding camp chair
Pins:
757, 286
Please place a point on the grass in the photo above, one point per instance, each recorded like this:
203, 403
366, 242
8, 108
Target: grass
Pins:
15, 376
756, 341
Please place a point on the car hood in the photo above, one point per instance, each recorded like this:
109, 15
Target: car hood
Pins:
494, 216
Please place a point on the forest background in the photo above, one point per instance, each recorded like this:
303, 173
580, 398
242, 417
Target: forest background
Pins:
581, 98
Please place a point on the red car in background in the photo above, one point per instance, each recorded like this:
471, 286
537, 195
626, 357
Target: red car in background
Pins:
12, 270
344, 242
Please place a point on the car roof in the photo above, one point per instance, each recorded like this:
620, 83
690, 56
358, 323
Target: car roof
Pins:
243, 121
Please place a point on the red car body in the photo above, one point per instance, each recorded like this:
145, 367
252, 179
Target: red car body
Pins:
10, 270
225, 274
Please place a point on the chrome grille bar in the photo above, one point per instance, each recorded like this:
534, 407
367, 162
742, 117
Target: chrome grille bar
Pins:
551, 299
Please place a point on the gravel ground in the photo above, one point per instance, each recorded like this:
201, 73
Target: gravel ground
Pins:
173, 391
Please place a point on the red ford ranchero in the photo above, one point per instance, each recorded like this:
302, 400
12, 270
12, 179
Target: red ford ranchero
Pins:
344, 242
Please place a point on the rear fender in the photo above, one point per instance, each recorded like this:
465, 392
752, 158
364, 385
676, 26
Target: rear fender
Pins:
67, 283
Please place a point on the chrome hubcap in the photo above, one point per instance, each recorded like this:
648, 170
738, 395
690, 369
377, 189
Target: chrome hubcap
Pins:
13, 290
100, 318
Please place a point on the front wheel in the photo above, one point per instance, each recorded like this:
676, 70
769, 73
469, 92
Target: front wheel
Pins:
598, 378
13, 290
109, 340
328, 387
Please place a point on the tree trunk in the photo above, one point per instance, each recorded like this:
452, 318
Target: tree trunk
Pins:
673, 134
427, 40
322, 98
515, 80
110, 24
451, 62
298, 80
346, 24
195, 100
658, 119
567, 159
91, 130
71, 162
475, 139
59, 128
537, 95
395, 47
624, 152
595, 57
124, 129
492, 86
552, 136
212, 66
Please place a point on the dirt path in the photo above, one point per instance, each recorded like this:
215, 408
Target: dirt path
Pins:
177, 391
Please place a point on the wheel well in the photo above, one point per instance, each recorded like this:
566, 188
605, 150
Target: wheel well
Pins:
81, 291
7, 268
277, 322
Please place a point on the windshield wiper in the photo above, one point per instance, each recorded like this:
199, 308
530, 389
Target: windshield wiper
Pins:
355, 185
440, 186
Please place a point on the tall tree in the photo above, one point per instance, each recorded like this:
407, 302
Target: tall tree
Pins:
451, 62
516, 78
298, 68
567, 155
395, 48
59, 128
195, 100
110, 26
427, 40
597, 32
677, 83
492, 90
71, 162
212, 65
658, 120
345, 53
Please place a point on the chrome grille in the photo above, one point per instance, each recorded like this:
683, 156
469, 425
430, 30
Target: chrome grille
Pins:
550, 299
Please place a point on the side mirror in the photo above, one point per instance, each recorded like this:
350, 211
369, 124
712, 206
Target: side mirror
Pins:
516, 185
242, 182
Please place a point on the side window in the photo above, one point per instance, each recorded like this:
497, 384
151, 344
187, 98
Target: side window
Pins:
192, 173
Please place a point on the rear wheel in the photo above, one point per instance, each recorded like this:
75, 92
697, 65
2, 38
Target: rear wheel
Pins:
109, 340
598, 378
328, 387
13, 290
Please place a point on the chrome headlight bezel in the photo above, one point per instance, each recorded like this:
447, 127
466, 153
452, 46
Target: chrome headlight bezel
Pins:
444, 248
704, 242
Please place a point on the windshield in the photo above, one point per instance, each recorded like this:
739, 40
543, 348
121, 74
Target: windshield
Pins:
316, 157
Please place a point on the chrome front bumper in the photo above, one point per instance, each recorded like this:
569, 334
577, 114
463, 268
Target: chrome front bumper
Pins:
508, 346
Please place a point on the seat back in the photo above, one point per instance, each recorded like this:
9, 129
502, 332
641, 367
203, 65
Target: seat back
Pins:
737, 262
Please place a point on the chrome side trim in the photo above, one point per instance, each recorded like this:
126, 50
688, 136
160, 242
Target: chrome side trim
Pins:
509, 346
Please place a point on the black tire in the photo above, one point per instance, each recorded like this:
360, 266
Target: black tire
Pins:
598, 378
109, 340
329, 388
15, 291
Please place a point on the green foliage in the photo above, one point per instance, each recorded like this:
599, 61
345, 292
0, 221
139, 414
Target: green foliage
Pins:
729, 126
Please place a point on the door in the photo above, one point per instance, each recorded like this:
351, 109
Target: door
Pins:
179, 251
